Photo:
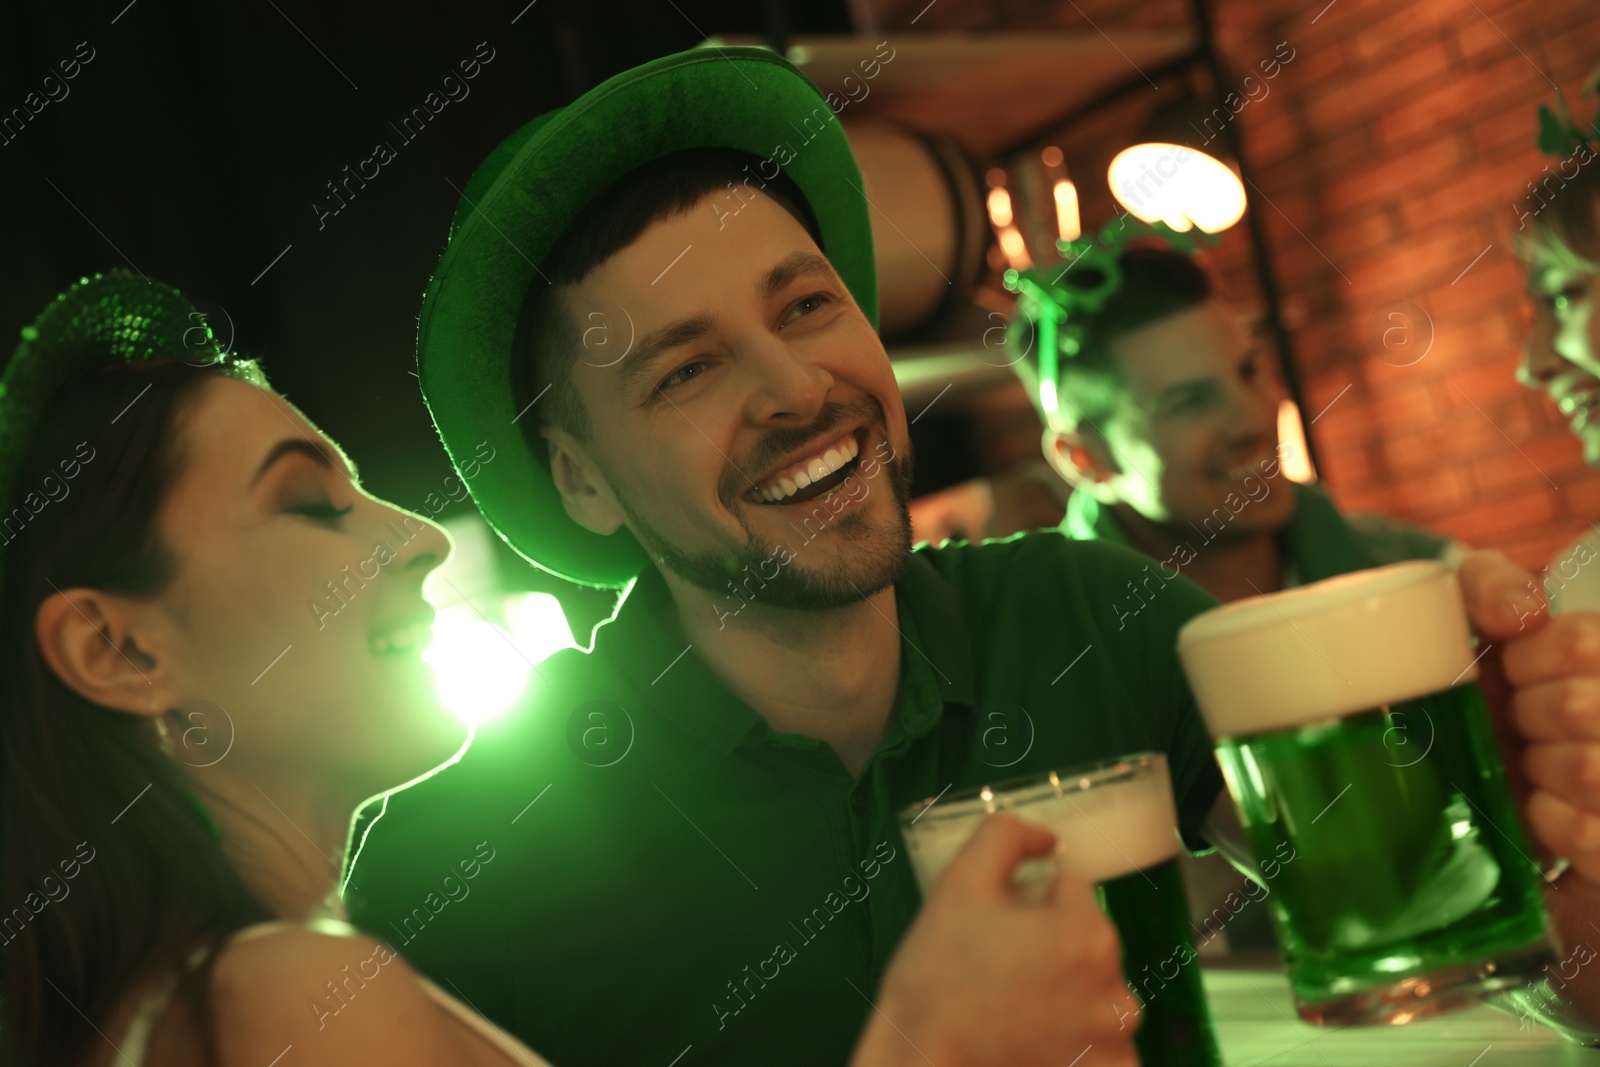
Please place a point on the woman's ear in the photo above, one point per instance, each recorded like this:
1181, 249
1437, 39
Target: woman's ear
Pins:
99, 647
584, 492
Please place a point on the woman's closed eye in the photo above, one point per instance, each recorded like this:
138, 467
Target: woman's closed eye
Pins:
323, 511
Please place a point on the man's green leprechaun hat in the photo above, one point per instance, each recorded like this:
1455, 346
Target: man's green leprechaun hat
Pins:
524, 196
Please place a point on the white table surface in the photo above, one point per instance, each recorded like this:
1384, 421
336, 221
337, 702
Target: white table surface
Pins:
1256, 1024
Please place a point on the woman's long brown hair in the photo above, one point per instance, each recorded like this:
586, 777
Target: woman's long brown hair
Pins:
110, 871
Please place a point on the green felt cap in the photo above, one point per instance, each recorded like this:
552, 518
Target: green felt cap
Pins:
526, 194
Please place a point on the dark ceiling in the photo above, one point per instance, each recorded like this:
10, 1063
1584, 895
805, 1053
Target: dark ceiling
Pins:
194, 142
197, 142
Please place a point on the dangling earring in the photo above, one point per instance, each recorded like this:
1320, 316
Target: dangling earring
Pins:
161, 730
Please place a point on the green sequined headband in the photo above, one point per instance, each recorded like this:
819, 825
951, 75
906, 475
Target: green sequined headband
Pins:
102, 320
1061, 301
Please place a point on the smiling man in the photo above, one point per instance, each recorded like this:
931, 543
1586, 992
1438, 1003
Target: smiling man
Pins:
716, 442
1167, 429
670, 343
658, 305
1165, 424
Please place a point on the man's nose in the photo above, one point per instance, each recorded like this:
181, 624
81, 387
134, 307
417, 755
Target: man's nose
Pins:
788, 387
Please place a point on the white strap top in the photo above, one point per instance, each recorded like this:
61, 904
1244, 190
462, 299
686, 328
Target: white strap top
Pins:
136, 1039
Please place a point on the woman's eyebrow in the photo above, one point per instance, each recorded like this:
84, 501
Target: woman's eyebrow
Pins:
290, 446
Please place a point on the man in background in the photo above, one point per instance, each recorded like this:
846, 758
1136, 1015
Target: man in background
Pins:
1166, 428
1165, 425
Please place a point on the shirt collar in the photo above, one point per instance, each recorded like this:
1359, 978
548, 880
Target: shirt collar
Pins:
645, 642
936, 649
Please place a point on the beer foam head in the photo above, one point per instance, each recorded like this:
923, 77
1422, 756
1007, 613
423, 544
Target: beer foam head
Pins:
1108, 821
1327, 649
1111, 830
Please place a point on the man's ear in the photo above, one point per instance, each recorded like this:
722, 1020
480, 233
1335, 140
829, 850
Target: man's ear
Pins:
1081, 458
100, 647
583, 488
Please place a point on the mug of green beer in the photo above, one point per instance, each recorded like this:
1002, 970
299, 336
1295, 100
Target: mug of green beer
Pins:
1116, 826
1351, 732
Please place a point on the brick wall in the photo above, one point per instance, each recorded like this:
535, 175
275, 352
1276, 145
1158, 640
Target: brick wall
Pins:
1388, 155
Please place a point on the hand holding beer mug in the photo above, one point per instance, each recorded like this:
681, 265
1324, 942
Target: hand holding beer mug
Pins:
1115, 826
984, 979
1350, 729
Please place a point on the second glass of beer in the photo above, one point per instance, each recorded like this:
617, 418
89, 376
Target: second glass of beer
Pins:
1115, 825
1358, 751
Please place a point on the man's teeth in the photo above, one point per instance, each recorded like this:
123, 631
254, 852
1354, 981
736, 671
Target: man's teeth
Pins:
802, 474
402, 641
1240, 471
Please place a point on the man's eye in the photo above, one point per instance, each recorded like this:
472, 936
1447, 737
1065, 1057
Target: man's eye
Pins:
324, 511
820, 300
681, 375
1194, 402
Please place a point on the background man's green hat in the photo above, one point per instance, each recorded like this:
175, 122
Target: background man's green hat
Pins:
524, 196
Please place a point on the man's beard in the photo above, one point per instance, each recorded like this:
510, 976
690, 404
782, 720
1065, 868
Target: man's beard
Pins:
876, 559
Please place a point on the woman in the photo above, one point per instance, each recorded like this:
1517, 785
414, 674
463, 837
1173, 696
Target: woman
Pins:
186, 729
1562, 356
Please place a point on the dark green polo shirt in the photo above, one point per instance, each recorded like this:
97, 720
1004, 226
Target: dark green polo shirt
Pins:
1318, 542
635, 868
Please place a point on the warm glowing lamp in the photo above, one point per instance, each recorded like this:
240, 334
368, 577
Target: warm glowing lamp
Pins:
1178, 185
1000, 206
1067, 219
1015, 248
1295, 461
